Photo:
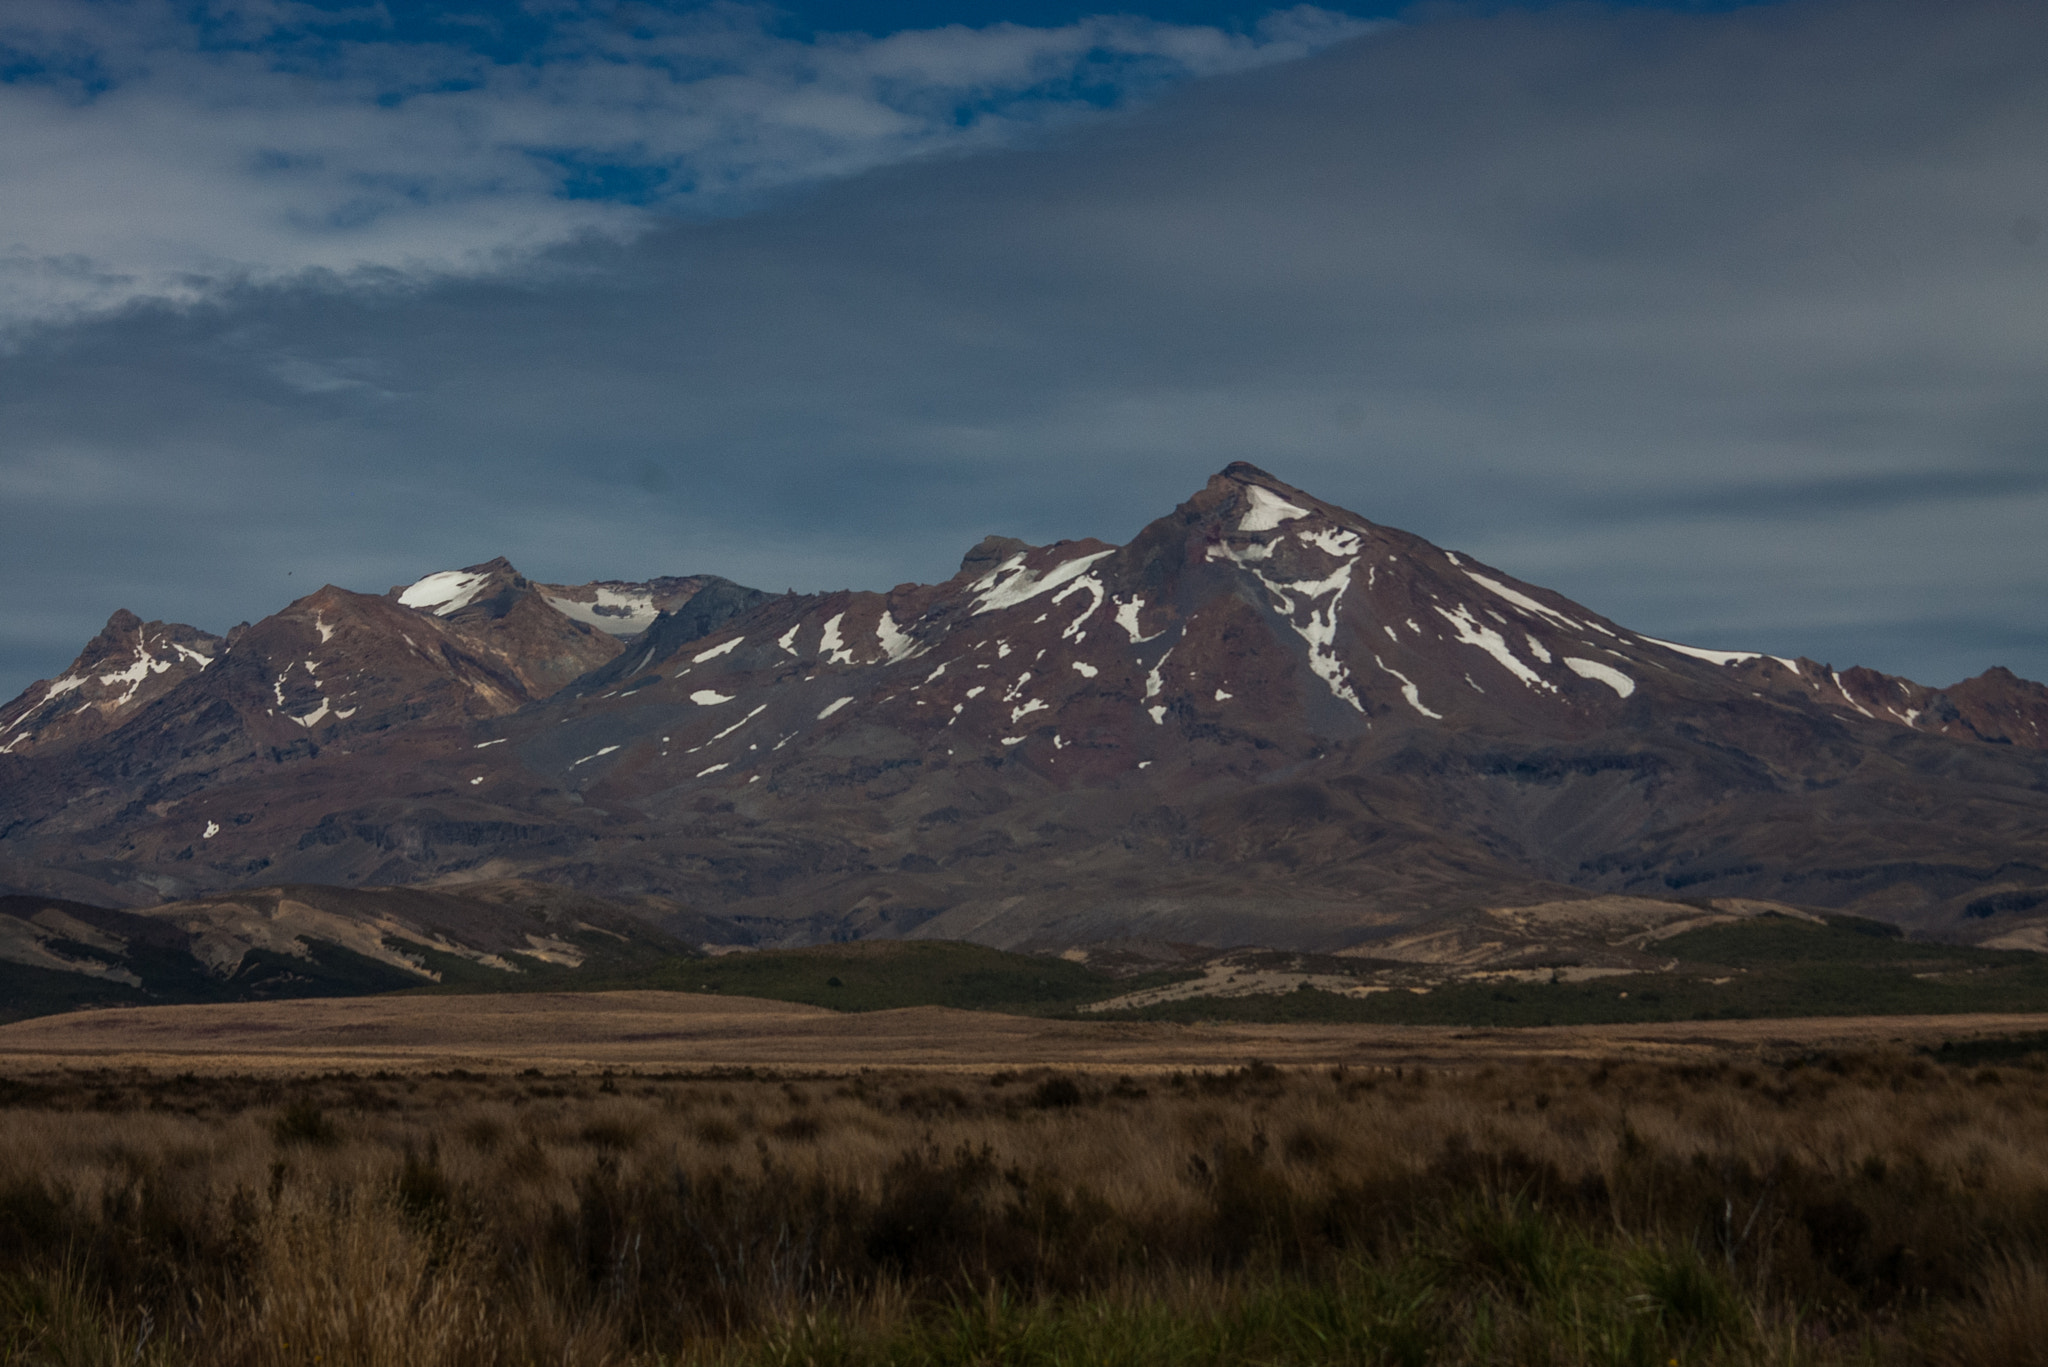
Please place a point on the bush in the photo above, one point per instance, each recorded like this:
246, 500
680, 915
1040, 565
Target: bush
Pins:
302, 1122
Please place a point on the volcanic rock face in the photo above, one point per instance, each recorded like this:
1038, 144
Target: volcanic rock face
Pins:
1265, 720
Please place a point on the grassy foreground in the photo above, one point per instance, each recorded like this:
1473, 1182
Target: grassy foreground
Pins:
1881, 1209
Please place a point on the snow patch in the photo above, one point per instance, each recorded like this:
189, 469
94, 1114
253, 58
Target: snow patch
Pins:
487, 744
1844, 691
212, 830
1018, 714
1085, 670
599, 755
1409, 691
1158, 714
716, 650
895, 644
734, 727
445, 592
1153, 681
134, 675
1320, 631
1712, 657
610, 611
1537, 649
1221, 696
1094, 587
707, 773
1333, 541
1249, 554
832, 707
1010, 583
1472, 632
1601, 673
1127, 618
788, 639
711, 697
830, 646
1520, 600
1268, 510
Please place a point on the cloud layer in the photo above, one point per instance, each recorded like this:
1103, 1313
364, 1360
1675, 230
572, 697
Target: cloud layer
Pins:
1730, 326
152, 151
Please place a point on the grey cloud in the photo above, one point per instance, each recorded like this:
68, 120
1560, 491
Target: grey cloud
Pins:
1719, 323
1804, 499
145, 162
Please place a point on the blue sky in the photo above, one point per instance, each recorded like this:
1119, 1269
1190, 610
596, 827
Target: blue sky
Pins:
1727, 320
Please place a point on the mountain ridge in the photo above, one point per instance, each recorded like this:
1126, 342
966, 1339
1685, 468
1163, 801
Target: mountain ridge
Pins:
1264, 720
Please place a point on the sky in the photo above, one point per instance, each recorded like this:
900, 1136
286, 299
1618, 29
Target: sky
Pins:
1727, 320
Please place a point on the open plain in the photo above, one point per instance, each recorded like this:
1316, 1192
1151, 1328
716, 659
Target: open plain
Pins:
681, 1032
644, 1180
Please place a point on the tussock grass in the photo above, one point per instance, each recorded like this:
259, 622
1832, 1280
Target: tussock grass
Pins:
1868, 1209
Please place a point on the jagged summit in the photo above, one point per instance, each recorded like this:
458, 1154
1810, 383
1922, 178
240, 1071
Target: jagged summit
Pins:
124, 668
1263, 719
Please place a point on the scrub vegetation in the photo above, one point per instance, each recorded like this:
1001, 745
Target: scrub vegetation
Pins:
1868, 1208
1761, 968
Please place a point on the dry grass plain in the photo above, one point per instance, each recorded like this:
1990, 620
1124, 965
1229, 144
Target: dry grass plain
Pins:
1875, 1208
672, 1031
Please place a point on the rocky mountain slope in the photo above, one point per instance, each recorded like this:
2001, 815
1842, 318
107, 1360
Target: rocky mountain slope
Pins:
1265, 720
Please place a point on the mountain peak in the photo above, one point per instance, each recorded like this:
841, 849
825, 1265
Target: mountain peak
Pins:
128, 665
988, 553
449, 591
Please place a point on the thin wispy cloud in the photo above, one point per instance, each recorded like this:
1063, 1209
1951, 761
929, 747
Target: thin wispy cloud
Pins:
157, 150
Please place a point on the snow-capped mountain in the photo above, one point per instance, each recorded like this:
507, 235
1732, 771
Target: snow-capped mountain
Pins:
1265, 720
129, 664
459, 644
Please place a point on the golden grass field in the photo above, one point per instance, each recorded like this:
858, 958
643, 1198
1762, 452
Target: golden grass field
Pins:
645, 1179
668, 1031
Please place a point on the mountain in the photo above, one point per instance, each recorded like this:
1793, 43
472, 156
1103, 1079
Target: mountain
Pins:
1265, 720
130, 664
